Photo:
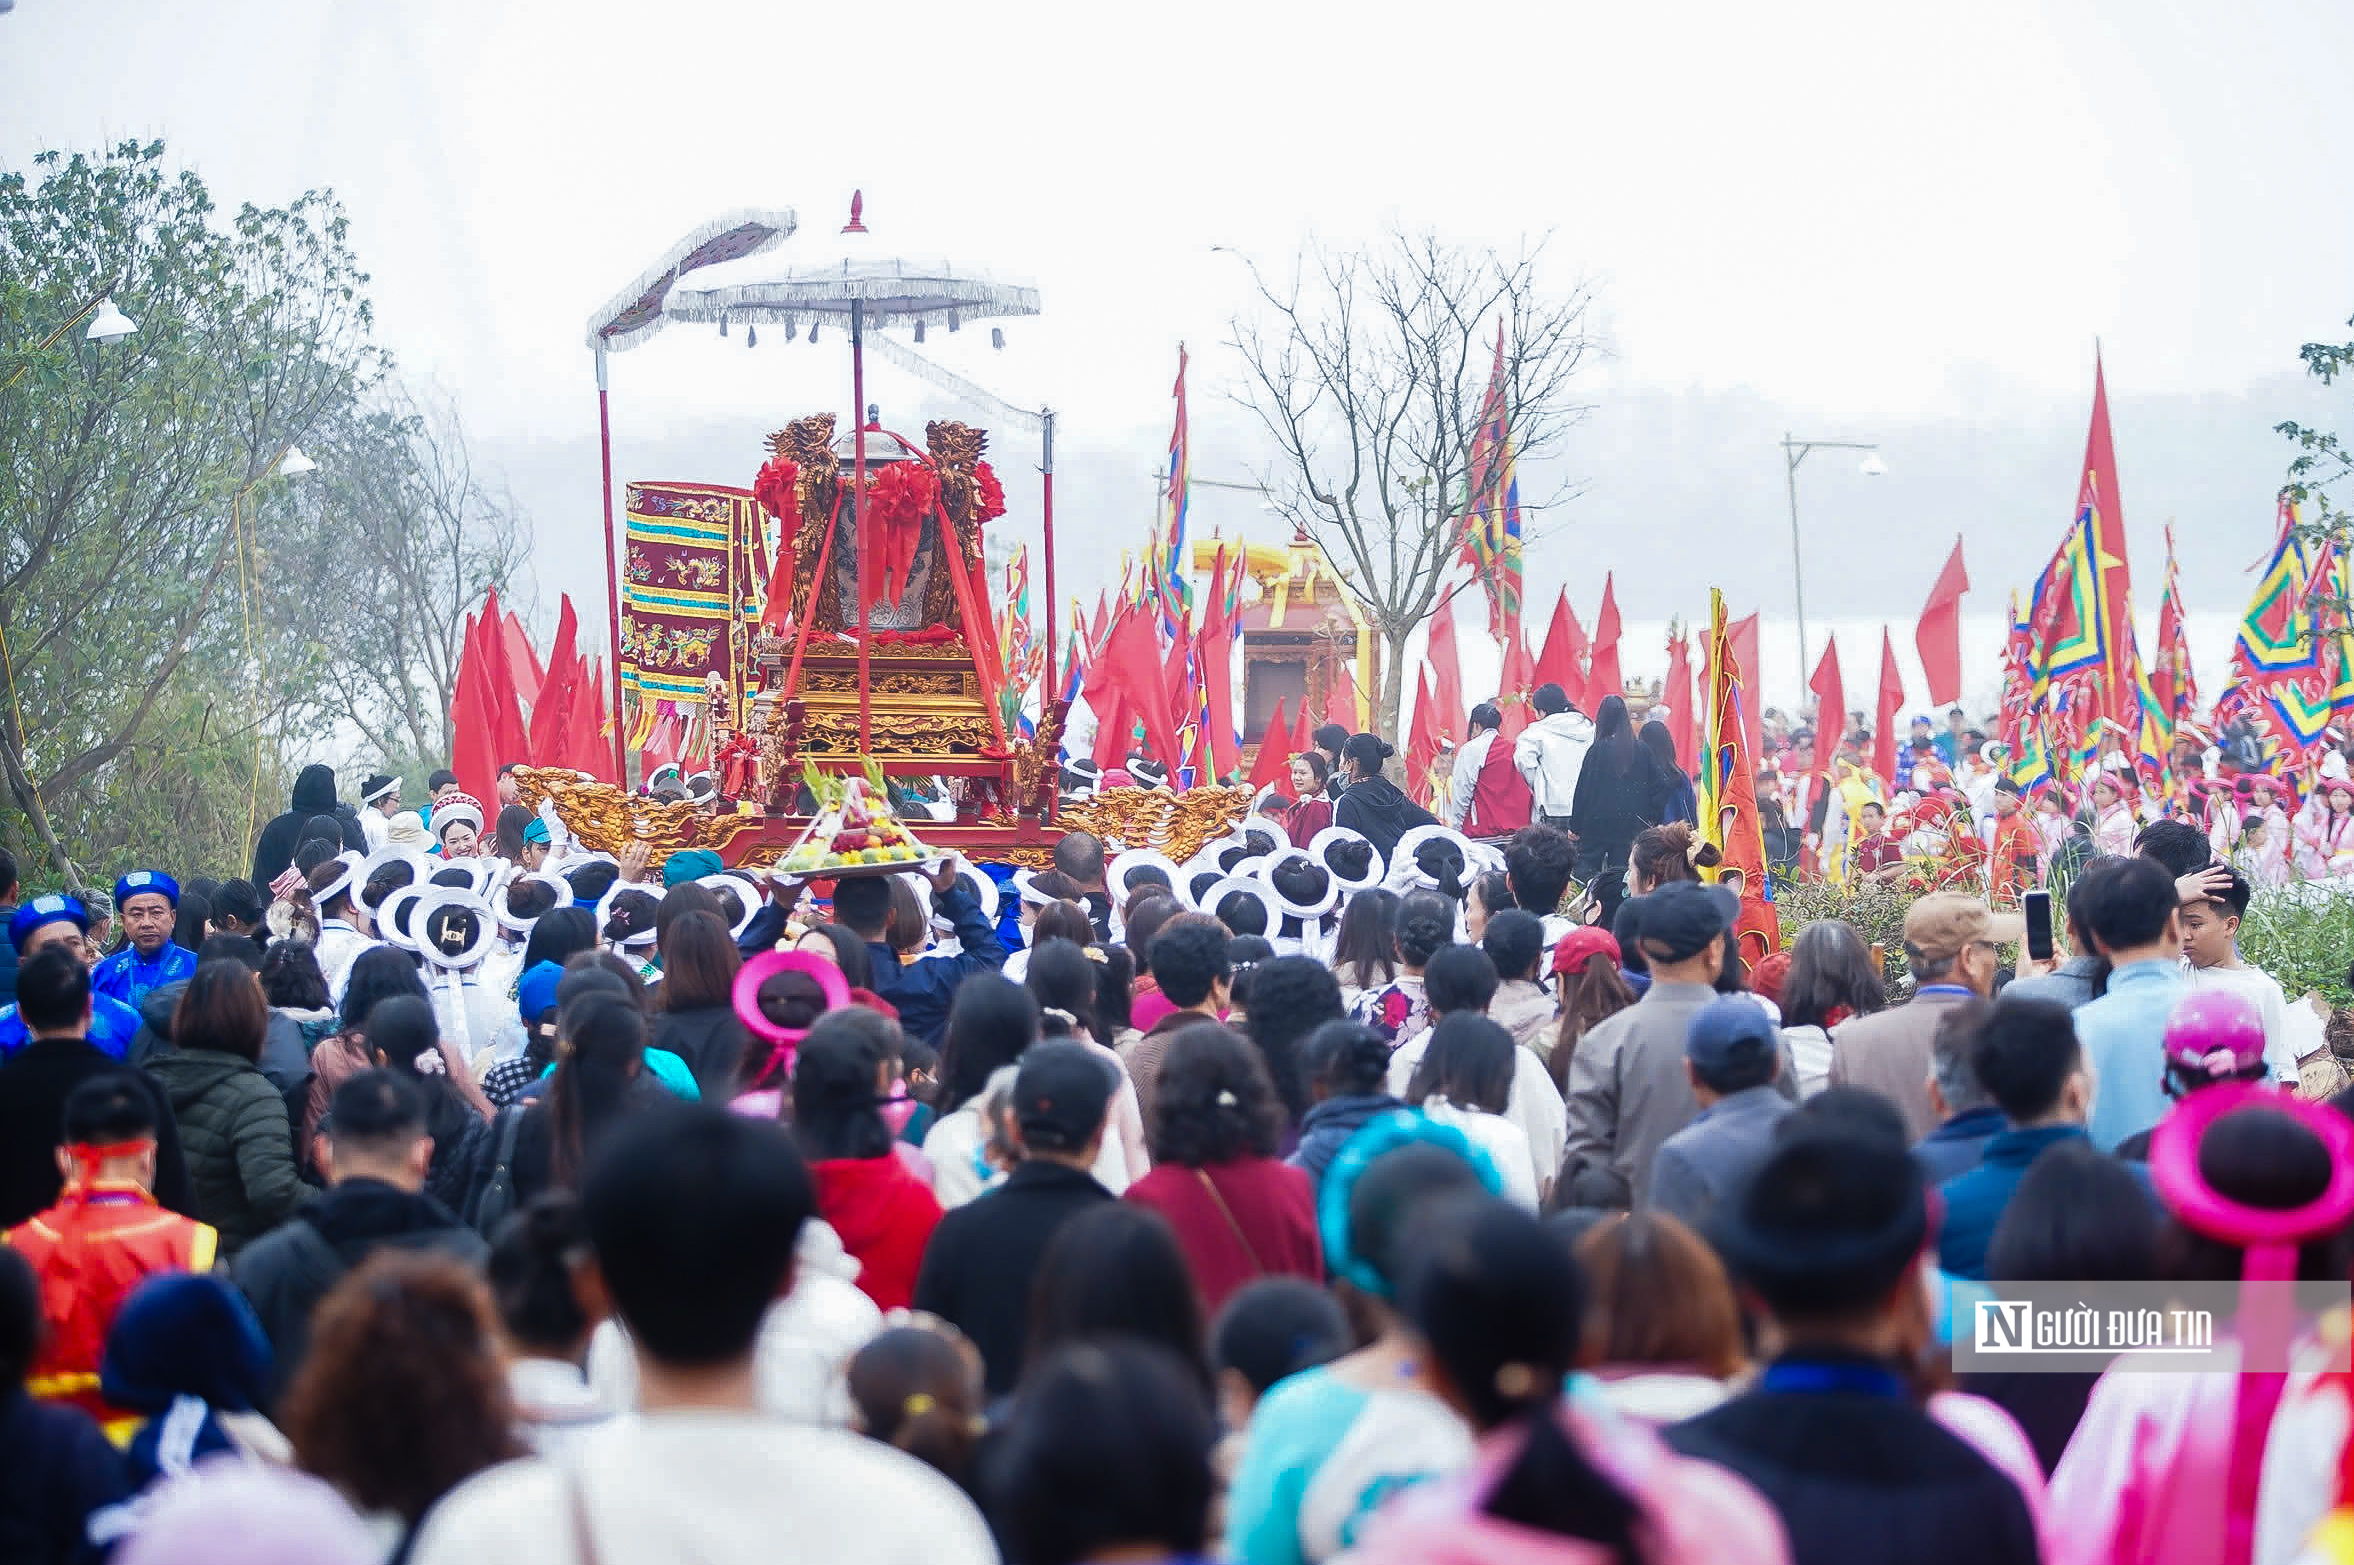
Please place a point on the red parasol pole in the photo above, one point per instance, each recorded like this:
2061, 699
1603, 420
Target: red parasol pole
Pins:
858, 511
1049, 683
612, 578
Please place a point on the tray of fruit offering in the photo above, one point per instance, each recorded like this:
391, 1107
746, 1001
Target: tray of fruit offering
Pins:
854, 832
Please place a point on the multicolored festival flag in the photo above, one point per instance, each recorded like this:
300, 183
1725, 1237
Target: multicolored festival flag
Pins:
1018, 653
2286, 668
2026, 760
2170, 678
1491, 539
1168, 583
1728, 792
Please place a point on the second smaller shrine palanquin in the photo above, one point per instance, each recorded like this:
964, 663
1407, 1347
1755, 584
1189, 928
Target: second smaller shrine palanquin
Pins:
931, 678
1303, 637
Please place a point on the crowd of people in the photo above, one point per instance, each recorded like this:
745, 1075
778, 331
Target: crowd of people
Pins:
1370, 1186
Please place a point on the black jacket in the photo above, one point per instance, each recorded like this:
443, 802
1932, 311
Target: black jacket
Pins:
287, 1271
314, 794
1864, 1479
55, 1469
239, 1146
711, 1040
1622, 789
984, 1255
33, 1088
1376, 807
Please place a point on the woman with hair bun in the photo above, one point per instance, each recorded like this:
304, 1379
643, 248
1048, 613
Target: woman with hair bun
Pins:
1399, 1010
1661, 854
1217, 1124
1348, 1078
1372, 804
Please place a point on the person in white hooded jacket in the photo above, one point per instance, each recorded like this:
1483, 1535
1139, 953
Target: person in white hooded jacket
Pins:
1551, 752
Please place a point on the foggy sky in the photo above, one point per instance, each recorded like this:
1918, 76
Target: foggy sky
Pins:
1843, 220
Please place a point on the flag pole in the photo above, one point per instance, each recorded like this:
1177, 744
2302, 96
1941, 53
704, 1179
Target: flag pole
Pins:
858, 511
1052, 674
612, 577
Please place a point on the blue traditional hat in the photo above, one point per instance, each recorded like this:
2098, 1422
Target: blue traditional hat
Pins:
51, 909
537, 831
146, 882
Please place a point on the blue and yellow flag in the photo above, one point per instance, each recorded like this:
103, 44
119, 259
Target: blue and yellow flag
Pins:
1491, 539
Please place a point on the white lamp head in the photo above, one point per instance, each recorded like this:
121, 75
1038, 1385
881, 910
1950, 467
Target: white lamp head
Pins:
109, 324
1872, 466
294, 464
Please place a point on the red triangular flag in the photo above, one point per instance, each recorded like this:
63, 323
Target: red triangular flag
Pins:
1603, 678
1214, 664
1519, 682
523, 659
470, 720
1130, 667
1830, 706
1446, 675
1340, 701
506, 735
1562, 662
588, 735
1891, 703
1939, 635
1274, 759
551, 710
1422, 750
1682, 716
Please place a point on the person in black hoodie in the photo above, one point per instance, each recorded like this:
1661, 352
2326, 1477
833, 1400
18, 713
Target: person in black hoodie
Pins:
314, 794
697, 1016
1621, 789
54, 999
376, 1155
1372, 803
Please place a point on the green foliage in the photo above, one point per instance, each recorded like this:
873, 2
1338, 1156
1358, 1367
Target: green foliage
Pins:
180, 624
2304, 937
1876, 912
2318, 474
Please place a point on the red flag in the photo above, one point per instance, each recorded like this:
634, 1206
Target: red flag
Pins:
508, 739
1562, 662
2113, 581
1741, 636
1602, 677
1303, 736
522, 659
471, 754
1884, 721
1446, 675
588, 741
1115, 727
1274, 762
1830, 706
1214, 664
1422, 750
551, 709
1519, 683
1129, 668
1682, 720
1939, 635
1340, 701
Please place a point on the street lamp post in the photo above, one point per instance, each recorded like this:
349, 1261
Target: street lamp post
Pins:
1794, 452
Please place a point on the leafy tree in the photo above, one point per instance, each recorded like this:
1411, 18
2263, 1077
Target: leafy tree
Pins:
131, 543
2318, 475
1369, 368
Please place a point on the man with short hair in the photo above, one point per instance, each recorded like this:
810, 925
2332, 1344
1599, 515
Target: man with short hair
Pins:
148, 902
1629, 1089
374, 1151
2028, 1058
54, 1002
1732, 1053
2075, 981
1969, 1118
693, 1215
380, 801
1550, 753
2211, 949
1487, 798
1194, 972
921, 991
510, 791
105, 1235
61, 923
1877, 855
1827, 1238
1079, 855
1539, 862
1952, 944
2131, 914
983, 1257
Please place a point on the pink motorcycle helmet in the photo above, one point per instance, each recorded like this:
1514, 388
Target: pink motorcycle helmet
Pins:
2215, 1035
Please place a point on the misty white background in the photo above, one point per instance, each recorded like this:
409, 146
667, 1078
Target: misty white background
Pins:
1842, 220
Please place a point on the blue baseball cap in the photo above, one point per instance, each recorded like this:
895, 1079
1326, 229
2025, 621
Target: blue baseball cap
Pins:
537, 831
51, 909
1731, 1033
535, 993
146, 882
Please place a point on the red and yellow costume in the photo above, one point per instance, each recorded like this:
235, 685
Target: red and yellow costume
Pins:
102, 1239
2015, 864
